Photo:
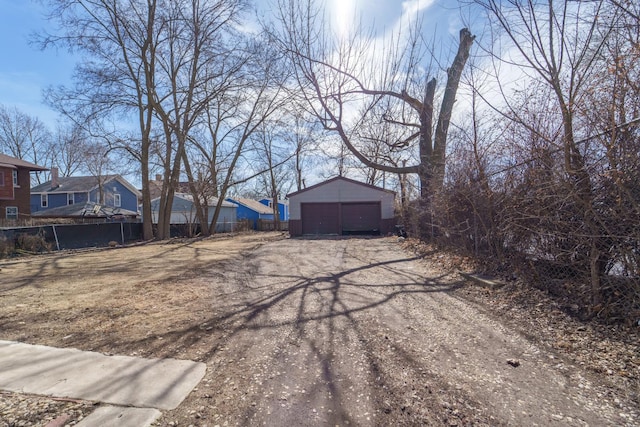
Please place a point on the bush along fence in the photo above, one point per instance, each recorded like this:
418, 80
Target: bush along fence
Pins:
575, 237
69, 236
271, 225
193, 229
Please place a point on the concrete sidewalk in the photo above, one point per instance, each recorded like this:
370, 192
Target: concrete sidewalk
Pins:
118, 380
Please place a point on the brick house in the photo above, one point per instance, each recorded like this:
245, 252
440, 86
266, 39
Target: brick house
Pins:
15, 187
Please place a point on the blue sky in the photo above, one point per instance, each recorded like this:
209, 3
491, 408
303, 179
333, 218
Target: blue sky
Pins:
26, 71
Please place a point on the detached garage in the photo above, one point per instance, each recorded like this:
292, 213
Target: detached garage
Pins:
341, 206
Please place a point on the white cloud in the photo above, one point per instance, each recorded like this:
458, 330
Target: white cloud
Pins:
343, 14
414, 6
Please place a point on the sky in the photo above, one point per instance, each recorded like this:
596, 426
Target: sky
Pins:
26, 71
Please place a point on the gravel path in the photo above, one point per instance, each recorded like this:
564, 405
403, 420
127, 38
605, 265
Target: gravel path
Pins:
300, 333
355, 332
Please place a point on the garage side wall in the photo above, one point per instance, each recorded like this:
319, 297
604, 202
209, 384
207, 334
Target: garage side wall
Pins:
339, 191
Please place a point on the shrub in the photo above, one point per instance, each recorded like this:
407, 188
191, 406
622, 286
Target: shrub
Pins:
32, 243
7, 247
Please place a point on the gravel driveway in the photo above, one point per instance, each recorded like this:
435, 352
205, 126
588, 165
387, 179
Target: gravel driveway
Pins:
298, 332
356, 332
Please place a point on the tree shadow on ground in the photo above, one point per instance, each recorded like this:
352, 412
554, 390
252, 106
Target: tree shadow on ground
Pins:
326, 311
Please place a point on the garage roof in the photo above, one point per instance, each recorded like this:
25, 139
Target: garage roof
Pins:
340, 178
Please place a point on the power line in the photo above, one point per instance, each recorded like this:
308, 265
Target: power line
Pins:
582, 141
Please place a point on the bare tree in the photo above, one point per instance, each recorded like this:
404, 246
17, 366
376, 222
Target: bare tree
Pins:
305, 137
154, 58
238, 107
335, 77
25, 137
273, 153
611, 112
97, 162
70, 146
121, 42
195, 68
560, 43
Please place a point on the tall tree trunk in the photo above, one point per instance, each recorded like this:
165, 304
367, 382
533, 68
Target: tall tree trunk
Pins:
225, 186
147, 219
201, 215
425, 146
446, 108
274, 200
583, 196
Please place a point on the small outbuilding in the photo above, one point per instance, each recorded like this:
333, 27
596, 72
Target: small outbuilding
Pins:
183, 211
251, 210
283, 207
341, 206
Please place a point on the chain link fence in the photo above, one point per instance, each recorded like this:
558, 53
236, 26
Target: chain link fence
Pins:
575, 236
67, 236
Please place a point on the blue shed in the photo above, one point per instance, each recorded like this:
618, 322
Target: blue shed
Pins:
251, 210
283, 207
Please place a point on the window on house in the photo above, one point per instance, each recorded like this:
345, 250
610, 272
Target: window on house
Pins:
44, 200
15, 178
12, 212
70, 199
1, 178
117, 202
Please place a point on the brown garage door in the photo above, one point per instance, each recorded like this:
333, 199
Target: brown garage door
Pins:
361, 218
320, 218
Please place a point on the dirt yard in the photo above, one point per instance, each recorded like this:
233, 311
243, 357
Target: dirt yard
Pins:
302, 333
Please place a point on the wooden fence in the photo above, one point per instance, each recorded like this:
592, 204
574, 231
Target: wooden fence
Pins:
270, 225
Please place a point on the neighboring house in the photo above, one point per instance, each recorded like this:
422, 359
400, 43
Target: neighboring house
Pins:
79, 190
283, 207
89, 210
341, 206
183, 211
155, 188
15, 187
251, 210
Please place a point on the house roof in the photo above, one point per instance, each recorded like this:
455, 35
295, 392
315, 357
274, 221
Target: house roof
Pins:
13, 163
81, 184
340, 178
155, 188
254, 205
280, 201
87, 210
184, 202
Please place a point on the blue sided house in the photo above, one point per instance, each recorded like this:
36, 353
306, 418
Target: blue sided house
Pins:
283, 207
251, 210
110, 191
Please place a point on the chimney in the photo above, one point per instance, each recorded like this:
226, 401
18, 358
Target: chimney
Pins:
158, 177
55, 182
